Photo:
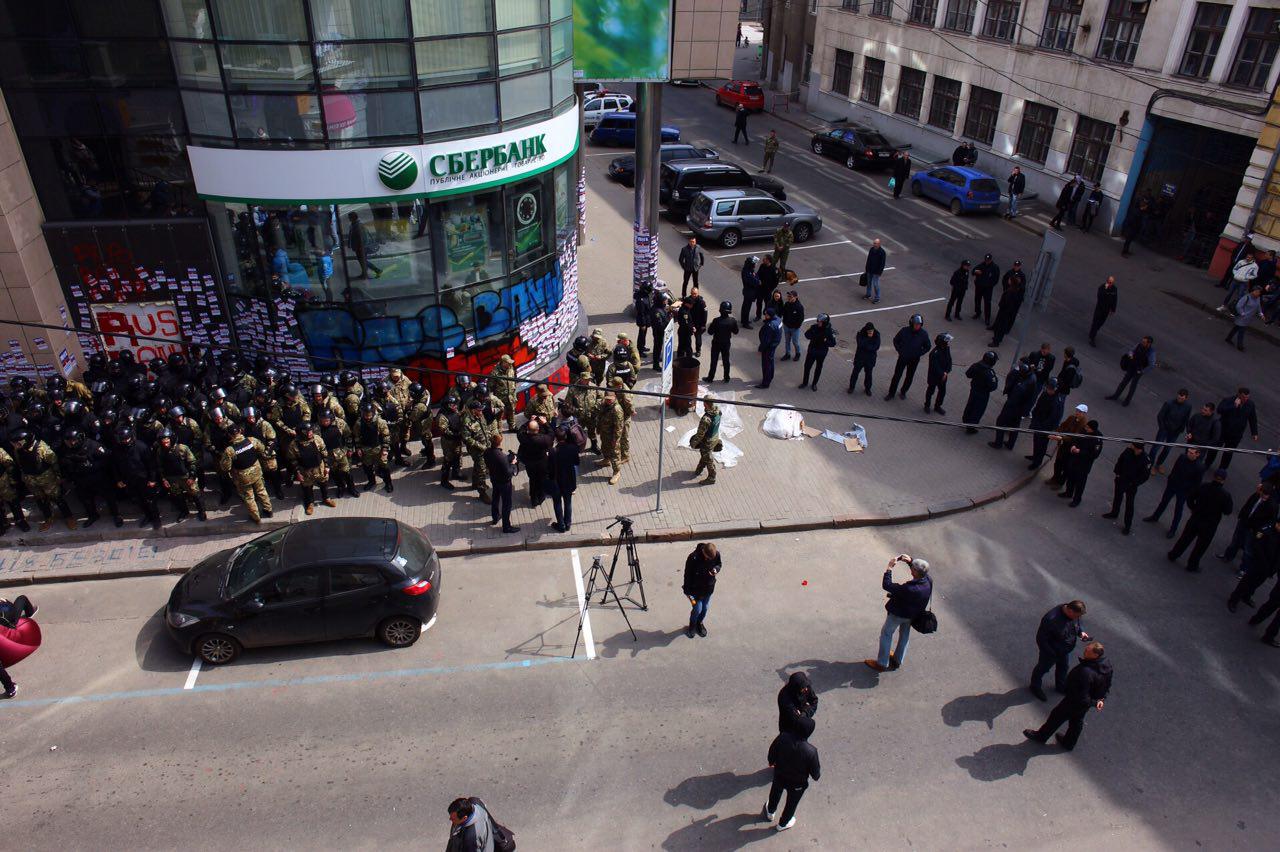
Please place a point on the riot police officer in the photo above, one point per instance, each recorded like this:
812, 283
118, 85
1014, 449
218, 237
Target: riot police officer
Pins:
308, 455
337, 444
448, 425
178, 470
373, 441
136, 473
87, 465
38, 466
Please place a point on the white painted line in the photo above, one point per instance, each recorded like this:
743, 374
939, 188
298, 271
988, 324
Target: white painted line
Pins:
963, 233
938, 231
430, 624
890, 308
587, 639
193, 674
793, 248
844, 275
605, 154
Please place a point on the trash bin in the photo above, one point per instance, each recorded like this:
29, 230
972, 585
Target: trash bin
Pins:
684, 381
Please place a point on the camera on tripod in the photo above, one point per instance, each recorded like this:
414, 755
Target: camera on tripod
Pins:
601, 577
624, 520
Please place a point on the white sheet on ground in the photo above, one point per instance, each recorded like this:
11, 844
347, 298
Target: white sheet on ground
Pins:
784, 423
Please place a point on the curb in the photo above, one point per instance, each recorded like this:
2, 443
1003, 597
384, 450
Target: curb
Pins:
902, 514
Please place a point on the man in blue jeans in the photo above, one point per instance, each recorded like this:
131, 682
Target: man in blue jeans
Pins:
792, 320
700, 570
876, 260
906, 602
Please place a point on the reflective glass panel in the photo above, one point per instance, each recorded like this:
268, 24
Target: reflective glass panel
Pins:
454, 60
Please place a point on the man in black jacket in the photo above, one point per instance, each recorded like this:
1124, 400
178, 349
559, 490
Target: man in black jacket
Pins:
1257, 513
1209, 504
873, 269
901, 173
1017, 185
796, 701
794, 762
562, 479
1135, 363
1084, 451
659, 318
1187, 473
1046, 414
1132, 470
821, 337
905, 604
501, 474
959, 286
1104, 306
721, 330
1171, 425
1056, 638
986, 276
792, 321
1087, 687
1236, 412
938, 372
982, 383
691, 262
536, 443
1015, 290
700, 570
698, 316
912, 344
1020, 395
1263, 562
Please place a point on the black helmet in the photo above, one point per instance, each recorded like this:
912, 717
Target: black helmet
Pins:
482, 386
367, 407
580, 343
55, 396
916, 319
289, 391
124, 435
381, 389
22, 383
726, 307
55, 383
325, 415
166, 434
36, 411
475, 403
347, 378
20, 437
177, 360
126, 357
267, 375
72, 436
416, 390
99, 387
177, 412
157, 365
621, 353
97, 361
391, 411
250, 413
462, 381
826, 318
73, 408
990, 357
306, 428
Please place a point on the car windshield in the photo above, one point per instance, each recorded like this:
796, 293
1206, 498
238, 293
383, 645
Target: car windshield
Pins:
677, 154
985, 185
254, 560
414, 553
875, 140
753, 91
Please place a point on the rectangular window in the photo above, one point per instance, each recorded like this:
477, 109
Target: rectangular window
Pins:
522, 51
260, 20
923, 12
1002, 19
872, 80
808, 64
1204, 40
1089, 148
334, 20
849, 5
517, 13
1060, 23
1036, 131
267, 66
525, 95
454, 60
910, 93
1121, 31
882, 8
1257, 51
842, 79
944, 106
449, 17
960, 15
364, 65
984, 111
458, 106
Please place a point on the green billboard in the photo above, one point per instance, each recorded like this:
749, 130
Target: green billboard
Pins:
620, 40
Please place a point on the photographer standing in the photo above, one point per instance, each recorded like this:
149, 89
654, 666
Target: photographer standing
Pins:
700, 571
906, 603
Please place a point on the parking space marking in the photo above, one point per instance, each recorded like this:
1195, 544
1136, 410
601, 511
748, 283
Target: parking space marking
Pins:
793, 248
587, 639
193, 674
890, 308
842, 275
939, 231
604, 154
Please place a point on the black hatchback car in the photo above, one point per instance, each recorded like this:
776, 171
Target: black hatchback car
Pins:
682, 180
855, 145
332, 578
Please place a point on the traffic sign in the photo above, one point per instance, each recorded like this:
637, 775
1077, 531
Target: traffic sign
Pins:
668, 356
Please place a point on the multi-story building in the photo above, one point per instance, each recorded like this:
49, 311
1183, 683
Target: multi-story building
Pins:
1160, 102
789, 27
330, 181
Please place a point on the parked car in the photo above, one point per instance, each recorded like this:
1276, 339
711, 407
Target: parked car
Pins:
855, 145
623, 169
745, 92
733, 215
682, 180
619, 128
686, 82
596, 108
335, 578
962, 189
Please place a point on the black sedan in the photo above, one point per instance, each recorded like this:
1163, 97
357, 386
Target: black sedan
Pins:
335, 578
855, 145
623, 169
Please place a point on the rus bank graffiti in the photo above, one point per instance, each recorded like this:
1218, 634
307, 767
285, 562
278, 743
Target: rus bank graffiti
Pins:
377, 332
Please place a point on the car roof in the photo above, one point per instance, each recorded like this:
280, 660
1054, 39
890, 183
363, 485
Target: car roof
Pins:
340, 540
622, 114
968, 172
702, 163
730, 194
746, 82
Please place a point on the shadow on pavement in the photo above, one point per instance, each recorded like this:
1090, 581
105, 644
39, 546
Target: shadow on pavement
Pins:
1002, 760
828, 674
711, 832
983, 708
704, 791
155, 650
622, 643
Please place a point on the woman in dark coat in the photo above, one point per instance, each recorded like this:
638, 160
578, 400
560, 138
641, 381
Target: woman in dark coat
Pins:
796, 701
865, 357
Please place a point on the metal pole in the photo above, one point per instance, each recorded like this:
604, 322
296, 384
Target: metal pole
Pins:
662, 436
645, 255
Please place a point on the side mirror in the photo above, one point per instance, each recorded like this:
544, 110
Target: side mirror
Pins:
254, 603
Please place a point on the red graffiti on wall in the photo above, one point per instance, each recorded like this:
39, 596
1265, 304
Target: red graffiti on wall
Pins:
477, 363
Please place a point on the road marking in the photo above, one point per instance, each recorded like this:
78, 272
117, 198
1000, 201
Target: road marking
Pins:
890, 308
583, 611
938, 231
193, 674
793, 248
843, 275
604, 154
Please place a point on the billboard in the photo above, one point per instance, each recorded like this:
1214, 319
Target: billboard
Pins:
132, 327
621, 40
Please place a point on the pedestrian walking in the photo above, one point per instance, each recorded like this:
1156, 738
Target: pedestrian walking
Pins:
358, 243
706, 440
1205, 429
750, 288
770, 337
562, 479
1241, 251
983, 382
611, 425
1092, 205
907, 602
1132, 228
959, 286
1135, 363
792, 321
864, 357
1063, 204
901, 172
1264, 562
821, 337
1086, 689
471, 828
1243, 275
1046, 414
740, 125
721, 330
1209, 503
911, 343
1248, 308
1171, 425
1235, 414
771, 145
1078, 192
701, 567
1020, 396
797, 701
794, 762
1015, 288
1055, 640
1017, 182
692, 260
1073, 424
986, 275
937, 373
1084, 451
1257, 513
782, 240
1132, 469
1188, 471
874, 268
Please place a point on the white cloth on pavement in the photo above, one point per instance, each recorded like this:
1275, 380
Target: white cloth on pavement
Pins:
784, 423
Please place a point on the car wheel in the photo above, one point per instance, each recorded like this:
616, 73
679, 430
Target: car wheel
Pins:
817, 147
730, 238
956, 207
217, 649
850, 162
803, 232
399, 631
916, 189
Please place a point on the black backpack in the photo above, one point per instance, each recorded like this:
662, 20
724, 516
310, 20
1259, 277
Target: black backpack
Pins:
1077, 379
504, 839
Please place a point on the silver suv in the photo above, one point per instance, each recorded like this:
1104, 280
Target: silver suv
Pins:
734, 215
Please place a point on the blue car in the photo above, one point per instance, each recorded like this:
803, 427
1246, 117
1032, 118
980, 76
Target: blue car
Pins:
619, 128
962, 189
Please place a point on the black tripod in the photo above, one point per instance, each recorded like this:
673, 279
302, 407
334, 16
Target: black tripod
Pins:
599, 575
627, 538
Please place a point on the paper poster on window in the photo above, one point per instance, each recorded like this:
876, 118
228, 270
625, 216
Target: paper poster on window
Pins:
528, 223
147, 329
41, 344
466, 239
67, 361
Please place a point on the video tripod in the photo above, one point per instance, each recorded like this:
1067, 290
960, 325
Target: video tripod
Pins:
627, 537
598, 574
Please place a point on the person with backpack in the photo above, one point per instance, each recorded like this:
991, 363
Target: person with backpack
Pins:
473, 828
907, 602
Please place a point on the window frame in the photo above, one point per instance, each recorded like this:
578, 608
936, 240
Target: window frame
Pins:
847, 67
1267, 40
1119, 18
923, 13
881, 9
958, 12
1035, 132
982, 115
948, 102
998, 24
1090, 148
872, 80
1061, 25
1210, 36
917, 92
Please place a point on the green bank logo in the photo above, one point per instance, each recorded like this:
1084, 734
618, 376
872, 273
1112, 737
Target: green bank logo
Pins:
397, 170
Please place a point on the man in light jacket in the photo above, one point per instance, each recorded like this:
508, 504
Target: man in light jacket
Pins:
1248, 307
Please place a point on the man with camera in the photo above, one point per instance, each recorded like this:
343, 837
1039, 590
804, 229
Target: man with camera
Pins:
907, 602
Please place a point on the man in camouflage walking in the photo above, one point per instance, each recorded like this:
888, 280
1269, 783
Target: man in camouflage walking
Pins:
418, 414
782, 240
39, 468
241, 462
337, 445
611, 425
628, 411
307, 456
373, 440
582, 400
179, 472
448, 425
707, 441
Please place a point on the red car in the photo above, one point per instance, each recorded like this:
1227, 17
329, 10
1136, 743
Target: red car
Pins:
745, 92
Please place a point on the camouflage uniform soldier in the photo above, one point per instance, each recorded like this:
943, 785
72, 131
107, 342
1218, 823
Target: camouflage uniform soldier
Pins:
622, 367
460, 392
337, 443
628, 411
477, 436
576, 358
287, 417
256, 427
218, 399
373, 441
418, 416
217, 437
321, 399
598, 355
448, 425
9, 494
39, 468
542, 403
399, 386
782, 240
178, 469
611, 423
307, 456
624, 339
241, 462
352, 393
503, 387
582, 400
707, 440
